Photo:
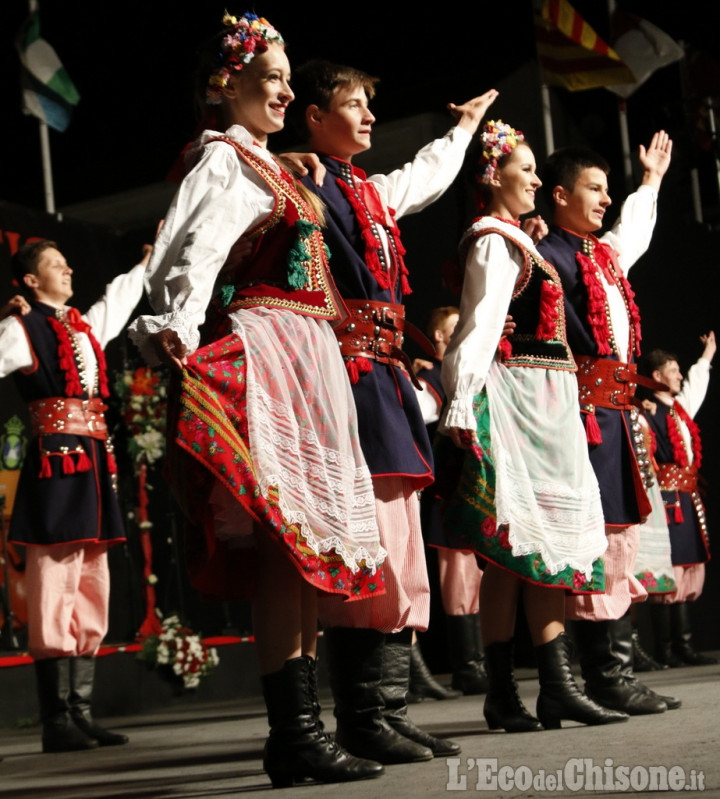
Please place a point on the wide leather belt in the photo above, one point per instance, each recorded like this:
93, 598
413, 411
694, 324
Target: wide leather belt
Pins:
605, 383
68, 415
375, 330
672, 477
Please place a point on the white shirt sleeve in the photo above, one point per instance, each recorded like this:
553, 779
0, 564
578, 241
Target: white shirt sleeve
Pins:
421, 181
428, 403
492, 266
631, 234
695, 387
108, 316
15, 350
218, 201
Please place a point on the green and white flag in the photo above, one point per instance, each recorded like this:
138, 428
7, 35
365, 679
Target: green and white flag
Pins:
48, 92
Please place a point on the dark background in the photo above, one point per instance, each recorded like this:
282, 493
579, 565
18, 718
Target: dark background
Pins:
132, 64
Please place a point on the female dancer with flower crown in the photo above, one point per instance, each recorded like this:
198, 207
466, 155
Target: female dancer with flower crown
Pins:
527, 501
265, 459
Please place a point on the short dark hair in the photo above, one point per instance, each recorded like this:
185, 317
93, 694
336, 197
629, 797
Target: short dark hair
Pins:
657, 358
563, 168
316, 82
26, 260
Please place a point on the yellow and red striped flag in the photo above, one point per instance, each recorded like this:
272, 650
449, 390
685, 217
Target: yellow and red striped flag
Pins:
571, 54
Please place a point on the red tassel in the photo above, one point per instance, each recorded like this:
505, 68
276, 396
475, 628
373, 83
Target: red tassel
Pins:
45, 467
505, 348
84, 464
592, 429
679, 518
111, 464
68, 465
352, 371
363, 364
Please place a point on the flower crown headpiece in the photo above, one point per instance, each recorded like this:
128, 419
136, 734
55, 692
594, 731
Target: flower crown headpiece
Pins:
497, 139
248, 35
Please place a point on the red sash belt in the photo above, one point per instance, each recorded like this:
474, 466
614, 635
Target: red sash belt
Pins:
375, 330
69, 415
606, 383
672, 477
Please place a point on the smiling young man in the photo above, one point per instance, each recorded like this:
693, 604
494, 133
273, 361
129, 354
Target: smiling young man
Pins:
66, 512
603, 326
369, 642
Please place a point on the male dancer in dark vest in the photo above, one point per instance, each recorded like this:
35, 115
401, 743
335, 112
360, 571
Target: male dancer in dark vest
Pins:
369, 642
603, 326
66, 512
677, 458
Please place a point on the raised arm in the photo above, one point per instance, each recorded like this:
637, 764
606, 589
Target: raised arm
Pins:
424, 179
655, 159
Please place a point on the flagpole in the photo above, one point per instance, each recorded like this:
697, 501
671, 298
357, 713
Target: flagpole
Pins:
547, 119
623, 122
45, 147
46, 167
625, 141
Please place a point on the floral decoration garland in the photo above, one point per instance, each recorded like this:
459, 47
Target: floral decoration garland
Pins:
250, 34
497, 139
143, 394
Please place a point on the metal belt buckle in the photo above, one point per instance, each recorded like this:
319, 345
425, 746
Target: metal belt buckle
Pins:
621, 374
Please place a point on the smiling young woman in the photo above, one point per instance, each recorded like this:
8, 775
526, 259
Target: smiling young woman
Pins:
264, 456
527, 502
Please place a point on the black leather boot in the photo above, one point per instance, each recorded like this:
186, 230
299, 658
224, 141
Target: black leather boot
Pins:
622, 645
82, 678
642, 661
297, 749
59, 732
503, 706
682, 646
355, 666
664, 655
606, 664
422, 684
560, 697
394, 686
466, 656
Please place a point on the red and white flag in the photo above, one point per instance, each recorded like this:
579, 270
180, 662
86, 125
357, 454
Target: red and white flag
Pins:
571, 54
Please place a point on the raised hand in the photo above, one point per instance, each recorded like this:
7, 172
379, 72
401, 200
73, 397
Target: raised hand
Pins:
469, 115
708, 342
655, 160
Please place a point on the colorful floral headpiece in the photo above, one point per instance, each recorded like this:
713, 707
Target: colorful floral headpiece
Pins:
497, 139
248, 35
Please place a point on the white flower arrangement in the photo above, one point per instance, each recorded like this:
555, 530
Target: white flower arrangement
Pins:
179, 651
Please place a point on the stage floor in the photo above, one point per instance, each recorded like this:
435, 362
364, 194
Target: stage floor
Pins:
198, 748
